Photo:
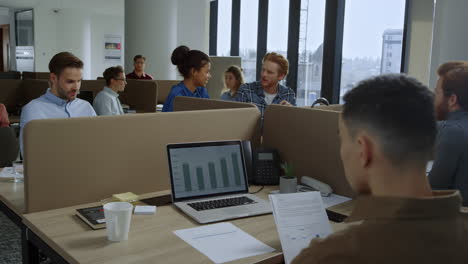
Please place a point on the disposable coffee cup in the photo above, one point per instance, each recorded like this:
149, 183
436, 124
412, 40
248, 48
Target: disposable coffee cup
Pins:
118, 217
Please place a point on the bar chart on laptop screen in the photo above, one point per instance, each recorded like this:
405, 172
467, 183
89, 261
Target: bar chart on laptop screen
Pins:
207, 170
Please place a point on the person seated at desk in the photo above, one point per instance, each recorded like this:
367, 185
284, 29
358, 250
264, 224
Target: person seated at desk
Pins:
60, 101
138, 73
194, 66
450, 167
4, 121
107, 101
268, 90
233, 79
387, 131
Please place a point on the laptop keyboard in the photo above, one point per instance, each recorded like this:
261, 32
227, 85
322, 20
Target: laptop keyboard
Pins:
214, 204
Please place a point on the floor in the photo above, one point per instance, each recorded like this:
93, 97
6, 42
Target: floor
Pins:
10, 241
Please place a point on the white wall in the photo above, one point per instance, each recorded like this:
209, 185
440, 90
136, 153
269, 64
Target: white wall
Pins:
154, 28
4, 16
78, 29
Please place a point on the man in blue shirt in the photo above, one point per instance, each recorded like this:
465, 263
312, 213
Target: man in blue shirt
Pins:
268, 90
450, 167
60, 100
107, 101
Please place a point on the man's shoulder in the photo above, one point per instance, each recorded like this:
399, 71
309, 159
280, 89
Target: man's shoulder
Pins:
33, 104
452, 129
284, 89
252, 86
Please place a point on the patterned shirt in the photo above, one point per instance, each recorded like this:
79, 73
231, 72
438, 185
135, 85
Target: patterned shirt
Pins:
253, 93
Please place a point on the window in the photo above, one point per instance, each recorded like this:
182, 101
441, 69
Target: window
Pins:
364, 50
311, 33
278, 19
224, 28
248, 38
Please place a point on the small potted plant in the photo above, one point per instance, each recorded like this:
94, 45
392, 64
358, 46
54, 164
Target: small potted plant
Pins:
288, 182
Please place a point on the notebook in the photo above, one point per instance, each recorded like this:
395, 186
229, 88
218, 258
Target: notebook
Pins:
209, 181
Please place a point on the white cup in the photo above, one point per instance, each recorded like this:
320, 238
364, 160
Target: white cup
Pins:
118, 217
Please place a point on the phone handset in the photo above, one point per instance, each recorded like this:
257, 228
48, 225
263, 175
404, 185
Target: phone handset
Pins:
311, 184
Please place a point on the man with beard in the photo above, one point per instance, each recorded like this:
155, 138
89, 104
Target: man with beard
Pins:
268, 90
450, 168
60, 100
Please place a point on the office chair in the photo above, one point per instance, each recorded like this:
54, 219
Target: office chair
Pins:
321, 101
8, 146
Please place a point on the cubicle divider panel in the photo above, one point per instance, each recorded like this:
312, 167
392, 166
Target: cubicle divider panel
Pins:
94, 86
10, 75
164, 87
141, 95
183, 103
32, 89
80, 160
308, 140
10, 93
332, 107
35, 75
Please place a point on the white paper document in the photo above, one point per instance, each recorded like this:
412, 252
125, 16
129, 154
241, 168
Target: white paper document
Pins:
334, 199
299, 218
223, 242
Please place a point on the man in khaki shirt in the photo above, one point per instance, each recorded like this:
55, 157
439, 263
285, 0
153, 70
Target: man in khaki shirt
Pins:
387, 131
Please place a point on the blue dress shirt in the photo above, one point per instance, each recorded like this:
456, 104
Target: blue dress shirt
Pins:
181, 90
107, 102
226, 96
51, 106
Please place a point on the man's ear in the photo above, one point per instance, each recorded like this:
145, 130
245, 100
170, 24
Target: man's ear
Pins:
366, 150
453, 102
281, 76
53, 77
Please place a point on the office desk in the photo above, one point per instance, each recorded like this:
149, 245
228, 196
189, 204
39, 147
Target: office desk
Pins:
151, 238
12, 199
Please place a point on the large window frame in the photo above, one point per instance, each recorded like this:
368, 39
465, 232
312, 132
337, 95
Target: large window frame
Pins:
332, 43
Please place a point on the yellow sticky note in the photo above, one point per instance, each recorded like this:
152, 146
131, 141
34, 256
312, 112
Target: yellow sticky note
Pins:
125, 197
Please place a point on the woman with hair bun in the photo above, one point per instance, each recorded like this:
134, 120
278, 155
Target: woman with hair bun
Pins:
194, 66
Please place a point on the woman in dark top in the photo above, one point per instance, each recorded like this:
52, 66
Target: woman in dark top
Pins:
194, 66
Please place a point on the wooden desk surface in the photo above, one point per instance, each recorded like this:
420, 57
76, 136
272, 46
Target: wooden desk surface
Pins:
12, 195
151, 238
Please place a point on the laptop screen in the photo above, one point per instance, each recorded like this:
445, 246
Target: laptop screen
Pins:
206, 169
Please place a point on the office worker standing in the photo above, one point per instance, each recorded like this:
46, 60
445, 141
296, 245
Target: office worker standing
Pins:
194, 66
60, 100
387, 131
450, 167
138, 73
107, 101
268, 90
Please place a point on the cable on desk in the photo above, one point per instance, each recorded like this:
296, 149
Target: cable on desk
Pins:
259, 190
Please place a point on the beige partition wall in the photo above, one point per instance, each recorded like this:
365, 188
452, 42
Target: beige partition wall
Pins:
9, 93
141, 95
164, 87
32, 89
80, 160
308, 139
183, 103
218, 66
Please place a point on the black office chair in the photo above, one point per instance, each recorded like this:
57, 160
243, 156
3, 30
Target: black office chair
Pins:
8, 146
320, 101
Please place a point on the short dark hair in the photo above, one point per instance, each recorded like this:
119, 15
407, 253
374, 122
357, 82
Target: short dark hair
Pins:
187, 59
112, 73
63, 60
454, 76
398, 111
139, 56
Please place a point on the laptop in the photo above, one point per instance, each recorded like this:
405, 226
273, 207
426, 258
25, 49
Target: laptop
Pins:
209, 181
